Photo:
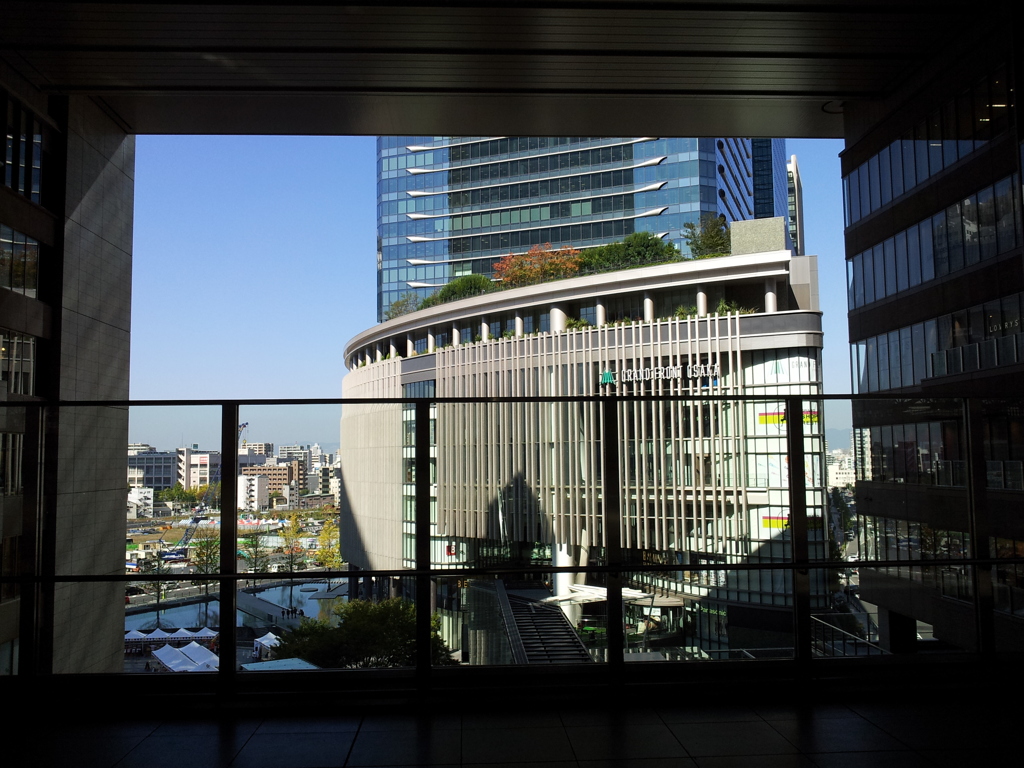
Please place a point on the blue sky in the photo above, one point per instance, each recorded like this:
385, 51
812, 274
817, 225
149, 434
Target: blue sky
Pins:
254, 264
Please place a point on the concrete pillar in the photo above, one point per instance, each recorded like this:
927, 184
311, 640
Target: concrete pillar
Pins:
378, 352
430, 340
564, 557
558, 318
648, 308
456, 333
770, 299
410, 346
896, 633
519, 324
485, 329
600, 313
392, 348
702, 302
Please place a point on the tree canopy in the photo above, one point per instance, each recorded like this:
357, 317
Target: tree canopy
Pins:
710, 237
369, 635
538, 265
459, 288
403, 305
638, 249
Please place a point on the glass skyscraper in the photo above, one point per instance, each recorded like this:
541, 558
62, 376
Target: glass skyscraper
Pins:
452, 206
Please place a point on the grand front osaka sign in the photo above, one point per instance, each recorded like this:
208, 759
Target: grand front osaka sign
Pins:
663, 372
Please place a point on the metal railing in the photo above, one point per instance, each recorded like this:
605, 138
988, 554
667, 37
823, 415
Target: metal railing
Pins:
40, 576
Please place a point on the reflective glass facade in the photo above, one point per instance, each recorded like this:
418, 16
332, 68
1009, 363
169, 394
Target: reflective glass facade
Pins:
452, 206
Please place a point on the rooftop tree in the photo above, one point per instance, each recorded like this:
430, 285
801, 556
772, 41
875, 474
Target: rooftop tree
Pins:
709, 237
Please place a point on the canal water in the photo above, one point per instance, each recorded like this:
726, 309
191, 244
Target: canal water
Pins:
317, 602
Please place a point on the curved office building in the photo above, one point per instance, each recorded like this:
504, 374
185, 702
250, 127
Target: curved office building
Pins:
704, 476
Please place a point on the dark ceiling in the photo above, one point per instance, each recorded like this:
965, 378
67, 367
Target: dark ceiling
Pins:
604, 68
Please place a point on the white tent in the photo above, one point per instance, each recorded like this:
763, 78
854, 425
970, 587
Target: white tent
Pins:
262, 645
206, 633
203, 657
173, 659
182, 634
158, 634
192, 658
134, 636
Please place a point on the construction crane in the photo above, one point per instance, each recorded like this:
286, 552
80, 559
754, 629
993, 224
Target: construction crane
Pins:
180, 550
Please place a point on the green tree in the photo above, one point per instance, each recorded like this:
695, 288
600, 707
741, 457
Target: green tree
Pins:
368, 635
208, 494
329, 546
177, 495
638, 249
205, 556
255, 551
156, 566
403, 305
708, 238
459, 288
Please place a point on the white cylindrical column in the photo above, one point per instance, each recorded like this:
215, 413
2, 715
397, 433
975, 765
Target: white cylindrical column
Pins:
702, 302
378, 352
519, 324
456, 333
558, 318
430, 340
410, 345
648, 308
601, 316
485, 329
771, 303
563, 557
392, 349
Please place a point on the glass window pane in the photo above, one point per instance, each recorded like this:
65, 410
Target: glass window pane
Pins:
865, 194
918, 345
913, 256
909, 174
889, 257
954, 238
986, 223
874, 183
858, 280
896, 159
1005, 239
853, 181
969, 219
879, 272
882, 340
924, 231
869, 277
939, 244
885, 175
902, 266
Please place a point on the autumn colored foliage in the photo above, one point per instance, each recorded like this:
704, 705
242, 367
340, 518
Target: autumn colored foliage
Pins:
540, 264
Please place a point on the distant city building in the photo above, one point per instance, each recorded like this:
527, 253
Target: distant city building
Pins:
140, 502
704, 482
253, 493
259, 449
149, 468
452, 206
280, 475
795, 206
296, 453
